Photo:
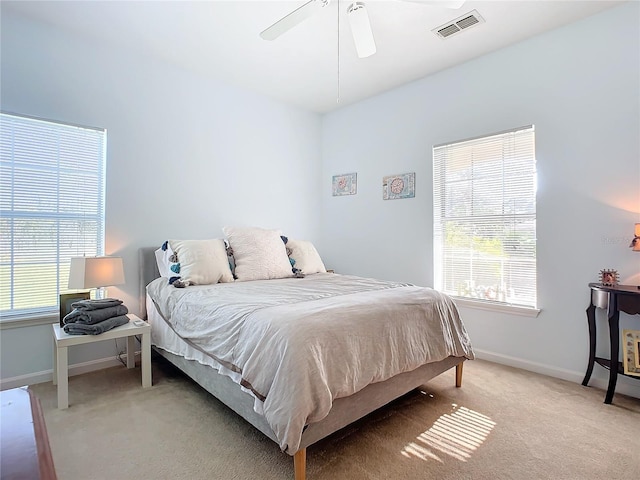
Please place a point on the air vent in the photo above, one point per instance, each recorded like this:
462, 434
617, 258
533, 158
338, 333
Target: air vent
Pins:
467, 20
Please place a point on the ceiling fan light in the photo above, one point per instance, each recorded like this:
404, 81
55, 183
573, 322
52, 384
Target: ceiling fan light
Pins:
361, 30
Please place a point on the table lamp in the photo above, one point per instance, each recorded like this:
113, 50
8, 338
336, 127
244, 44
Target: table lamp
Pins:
96, 272
635, 243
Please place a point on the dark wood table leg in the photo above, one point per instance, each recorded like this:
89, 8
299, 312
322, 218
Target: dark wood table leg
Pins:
614, 338
591, 320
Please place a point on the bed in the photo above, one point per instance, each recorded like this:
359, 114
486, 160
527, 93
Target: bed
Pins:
295, 392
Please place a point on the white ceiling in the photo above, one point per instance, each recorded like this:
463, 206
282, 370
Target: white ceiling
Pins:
221, 39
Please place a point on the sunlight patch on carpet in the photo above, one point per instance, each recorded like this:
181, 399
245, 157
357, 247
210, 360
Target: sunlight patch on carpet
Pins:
456, 434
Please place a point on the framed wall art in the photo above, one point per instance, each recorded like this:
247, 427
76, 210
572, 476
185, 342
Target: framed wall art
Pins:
399, 186
631, 352
345, 184
66, 299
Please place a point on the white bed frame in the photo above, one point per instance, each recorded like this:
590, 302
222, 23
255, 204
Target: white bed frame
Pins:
343, 411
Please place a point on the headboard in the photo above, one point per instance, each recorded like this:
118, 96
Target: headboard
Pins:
147, 271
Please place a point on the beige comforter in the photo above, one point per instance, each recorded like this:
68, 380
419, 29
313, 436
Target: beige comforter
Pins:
301, 343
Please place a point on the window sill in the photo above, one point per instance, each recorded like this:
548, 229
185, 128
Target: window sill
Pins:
493, 307
46, 319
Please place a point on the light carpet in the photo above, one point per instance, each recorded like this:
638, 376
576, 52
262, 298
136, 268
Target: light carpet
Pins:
504, 423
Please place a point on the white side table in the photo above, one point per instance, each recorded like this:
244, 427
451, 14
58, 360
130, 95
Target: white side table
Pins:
61, 341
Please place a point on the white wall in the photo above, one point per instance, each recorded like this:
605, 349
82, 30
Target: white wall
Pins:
185, 155
580, 87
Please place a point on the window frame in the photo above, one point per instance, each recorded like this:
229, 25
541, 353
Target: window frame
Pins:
440, 218
65, 210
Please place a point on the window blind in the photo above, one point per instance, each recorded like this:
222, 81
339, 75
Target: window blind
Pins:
52, 188
485, 218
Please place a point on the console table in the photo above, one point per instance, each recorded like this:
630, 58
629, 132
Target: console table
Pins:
615, 299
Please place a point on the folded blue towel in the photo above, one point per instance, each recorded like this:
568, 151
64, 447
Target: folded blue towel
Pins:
90, 317
97, 328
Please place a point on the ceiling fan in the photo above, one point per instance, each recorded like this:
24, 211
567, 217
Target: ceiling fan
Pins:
358, 20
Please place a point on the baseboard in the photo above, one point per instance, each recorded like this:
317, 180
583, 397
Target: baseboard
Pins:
75, 369
576, 377
623, 386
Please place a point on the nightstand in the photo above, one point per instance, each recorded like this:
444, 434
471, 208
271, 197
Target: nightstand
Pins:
61, 341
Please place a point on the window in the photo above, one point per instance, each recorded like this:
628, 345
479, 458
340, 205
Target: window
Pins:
51, 209
485, 218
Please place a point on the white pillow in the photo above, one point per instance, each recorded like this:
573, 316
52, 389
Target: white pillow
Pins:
306, 256
202, 262
259, 254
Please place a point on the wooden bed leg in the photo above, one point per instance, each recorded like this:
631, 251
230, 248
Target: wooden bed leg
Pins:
459, 374
300, 464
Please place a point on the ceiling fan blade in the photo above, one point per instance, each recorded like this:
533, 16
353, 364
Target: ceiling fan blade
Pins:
294, 18
361, 30
440, 3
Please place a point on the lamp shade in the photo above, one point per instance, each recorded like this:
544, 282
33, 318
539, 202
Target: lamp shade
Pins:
93, 272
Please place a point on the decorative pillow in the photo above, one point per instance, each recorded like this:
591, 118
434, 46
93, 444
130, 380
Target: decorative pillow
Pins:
232, 261
259, 254
167, 262
306, 257
202, 262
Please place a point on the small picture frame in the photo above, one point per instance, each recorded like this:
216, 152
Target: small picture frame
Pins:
631, 352
399, 186
66, 299
609, 277
344, 184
